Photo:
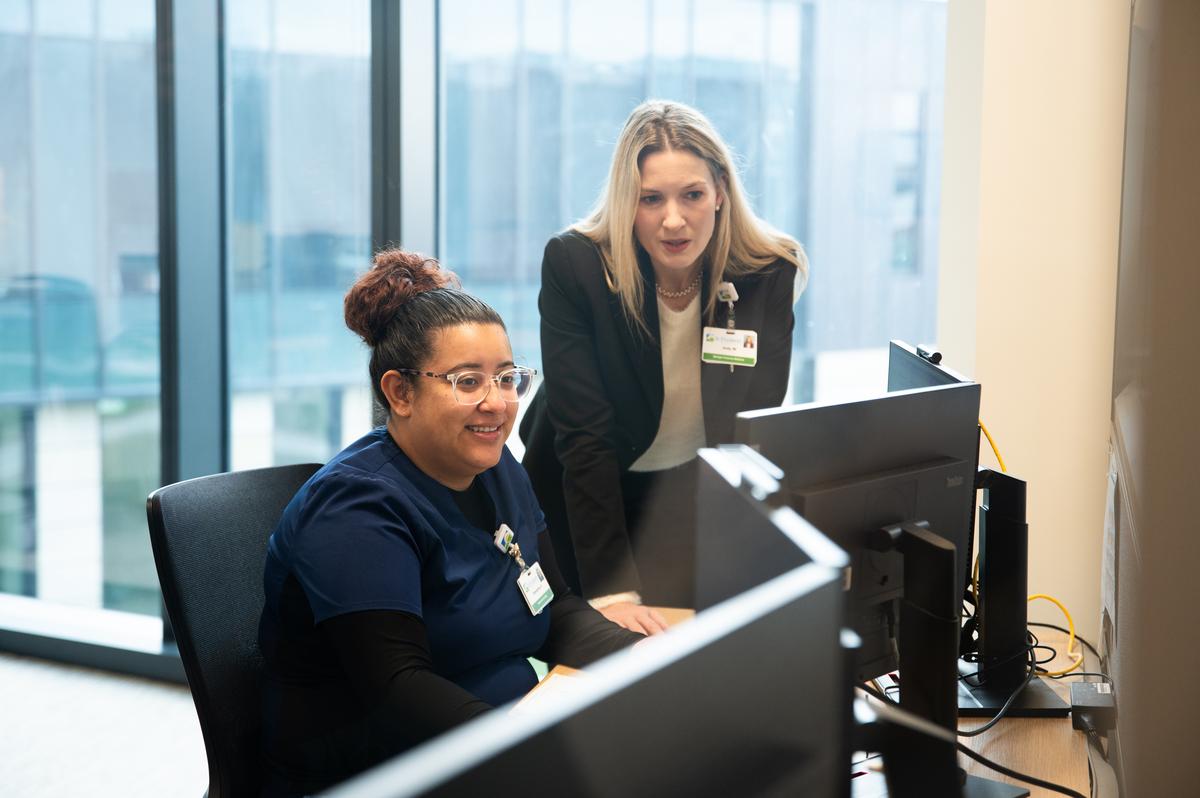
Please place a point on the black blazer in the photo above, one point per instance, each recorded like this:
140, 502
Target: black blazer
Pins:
599, 408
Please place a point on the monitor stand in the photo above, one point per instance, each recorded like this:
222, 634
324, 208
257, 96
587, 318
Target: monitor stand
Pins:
928, 652
1003, 611
1036, 700
986, 788
873, 784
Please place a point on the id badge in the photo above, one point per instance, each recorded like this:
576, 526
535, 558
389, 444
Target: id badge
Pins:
535, 588
735, 347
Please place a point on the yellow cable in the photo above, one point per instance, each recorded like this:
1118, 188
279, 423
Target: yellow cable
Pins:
988, 435
1078, 657
975, 584
975, 568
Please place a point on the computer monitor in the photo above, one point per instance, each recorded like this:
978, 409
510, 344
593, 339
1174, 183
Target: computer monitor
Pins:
748, 698
998, 630
750, 536
912, 367
858, 471
916, 367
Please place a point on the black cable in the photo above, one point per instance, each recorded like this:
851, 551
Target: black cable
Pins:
1053, 654
923, 611
1032, 642
1090, 648
1068, 631
974, 658
967, 677
1012, 774
1004, 709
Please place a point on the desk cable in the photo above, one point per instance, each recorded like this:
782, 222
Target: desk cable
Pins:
1100, 771
1013, 774
983, 760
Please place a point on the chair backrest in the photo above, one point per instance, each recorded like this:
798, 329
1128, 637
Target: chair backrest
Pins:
209, 537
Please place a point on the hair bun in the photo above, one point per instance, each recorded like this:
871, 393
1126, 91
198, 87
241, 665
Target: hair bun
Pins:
395, 277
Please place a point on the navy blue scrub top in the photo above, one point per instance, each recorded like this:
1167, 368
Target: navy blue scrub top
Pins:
371, 531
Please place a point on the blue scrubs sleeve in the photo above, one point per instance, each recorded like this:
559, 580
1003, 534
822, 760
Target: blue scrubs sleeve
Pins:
354, 549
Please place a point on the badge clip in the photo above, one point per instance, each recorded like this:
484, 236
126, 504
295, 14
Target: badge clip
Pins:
727, 292
503, 538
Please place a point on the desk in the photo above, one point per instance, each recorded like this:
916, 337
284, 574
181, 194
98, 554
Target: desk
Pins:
1047, 748
1044, 747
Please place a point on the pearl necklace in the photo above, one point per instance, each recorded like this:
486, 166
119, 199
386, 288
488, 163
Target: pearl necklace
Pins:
692, 286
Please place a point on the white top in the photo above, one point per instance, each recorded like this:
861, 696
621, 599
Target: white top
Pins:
681, 426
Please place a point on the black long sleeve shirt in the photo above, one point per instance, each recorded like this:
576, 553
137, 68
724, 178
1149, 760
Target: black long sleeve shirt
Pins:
367, 680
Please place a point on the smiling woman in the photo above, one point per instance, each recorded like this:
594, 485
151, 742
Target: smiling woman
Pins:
406, 585
456, 427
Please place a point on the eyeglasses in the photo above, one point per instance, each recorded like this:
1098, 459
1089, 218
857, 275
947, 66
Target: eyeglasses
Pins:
471, 387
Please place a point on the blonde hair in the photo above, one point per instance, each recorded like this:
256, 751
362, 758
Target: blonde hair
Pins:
741, 242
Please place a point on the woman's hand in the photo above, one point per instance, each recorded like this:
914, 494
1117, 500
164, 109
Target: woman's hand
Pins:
635, 617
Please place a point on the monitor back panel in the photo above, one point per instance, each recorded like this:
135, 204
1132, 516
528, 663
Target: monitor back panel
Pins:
820, 444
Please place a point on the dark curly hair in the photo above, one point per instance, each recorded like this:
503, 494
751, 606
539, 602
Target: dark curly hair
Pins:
398, 305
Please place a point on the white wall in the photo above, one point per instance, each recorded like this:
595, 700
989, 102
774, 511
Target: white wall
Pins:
1035, 105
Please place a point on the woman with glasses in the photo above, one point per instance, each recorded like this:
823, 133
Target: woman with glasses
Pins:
406, 585
663, 314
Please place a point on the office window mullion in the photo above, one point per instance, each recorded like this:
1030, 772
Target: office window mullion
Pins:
404, 125
385, 123
191, 263
191, 239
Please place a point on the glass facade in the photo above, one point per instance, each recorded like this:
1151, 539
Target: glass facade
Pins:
79, 357
833, 108
299, 225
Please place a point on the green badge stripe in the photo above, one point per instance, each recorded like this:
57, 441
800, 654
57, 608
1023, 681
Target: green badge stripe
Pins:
543, 601
734, 359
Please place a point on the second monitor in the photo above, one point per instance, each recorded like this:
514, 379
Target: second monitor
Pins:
879, 476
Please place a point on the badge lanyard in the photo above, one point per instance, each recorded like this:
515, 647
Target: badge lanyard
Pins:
531, 582
731, 321
730, 345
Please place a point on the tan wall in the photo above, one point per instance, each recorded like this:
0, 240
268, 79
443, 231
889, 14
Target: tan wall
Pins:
1035, 106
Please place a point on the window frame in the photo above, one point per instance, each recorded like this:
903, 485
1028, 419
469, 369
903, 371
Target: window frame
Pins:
194, 346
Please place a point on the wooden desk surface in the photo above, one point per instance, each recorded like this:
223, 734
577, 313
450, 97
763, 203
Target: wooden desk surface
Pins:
1047, 748
676, 615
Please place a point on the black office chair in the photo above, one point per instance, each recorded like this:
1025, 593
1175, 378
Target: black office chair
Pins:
210, 540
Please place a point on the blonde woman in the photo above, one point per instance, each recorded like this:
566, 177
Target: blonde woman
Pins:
646, 308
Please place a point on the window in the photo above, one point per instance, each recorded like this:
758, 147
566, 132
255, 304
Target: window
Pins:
830, 107
79, 352
907, 163
298, 225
